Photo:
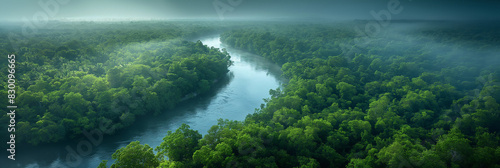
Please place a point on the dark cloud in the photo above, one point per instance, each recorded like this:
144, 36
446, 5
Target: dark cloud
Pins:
181, 9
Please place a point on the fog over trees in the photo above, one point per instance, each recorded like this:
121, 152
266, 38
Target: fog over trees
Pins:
395, 83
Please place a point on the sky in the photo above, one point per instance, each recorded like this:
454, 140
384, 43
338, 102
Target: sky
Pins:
16, 10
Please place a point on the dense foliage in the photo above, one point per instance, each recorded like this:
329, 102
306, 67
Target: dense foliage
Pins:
425, 97
73, 78
407, 96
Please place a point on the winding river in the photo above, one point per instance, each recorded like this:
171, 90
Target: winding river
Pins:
233, 98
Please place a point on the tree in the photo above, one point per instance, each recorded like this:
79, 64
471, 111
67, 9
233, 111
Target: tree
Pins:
213, 158
179, 145
75, 101
103, 164
347, 91
134, 155
114, 76
286, 116
454, 149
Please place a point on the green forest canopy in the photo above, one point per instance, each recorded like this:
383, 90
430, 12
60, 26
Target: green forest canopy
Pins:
422, 98
76, 77
425, 97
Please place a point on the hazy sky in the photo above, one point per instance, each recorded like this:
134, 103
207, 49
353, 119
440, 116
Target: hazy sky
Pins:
178, 9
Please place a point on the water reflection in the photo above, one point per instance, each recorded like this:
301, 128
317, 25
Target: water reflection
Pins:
233, 97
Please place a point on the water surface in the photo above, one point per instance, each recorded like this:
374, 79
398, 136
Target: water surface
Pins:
233, 98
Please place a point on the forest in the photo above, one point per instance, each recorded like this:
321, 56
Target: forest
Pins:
74, 78
413, 95
425, 97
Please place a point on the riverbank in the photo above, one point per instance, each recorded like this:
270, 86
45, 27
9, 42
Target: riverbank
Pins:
233, 97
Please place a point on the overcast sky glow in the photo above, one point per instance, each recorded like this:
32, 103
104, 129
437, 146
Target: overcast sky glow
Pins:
15, 10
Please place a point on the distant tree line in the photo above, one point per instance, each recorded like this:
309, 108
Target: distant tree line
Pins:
390, 103
71, 80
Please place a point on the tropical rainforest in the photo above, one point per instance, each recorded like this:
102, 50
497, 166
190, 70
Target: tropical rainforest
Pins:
410, 95
407, 98
77, 77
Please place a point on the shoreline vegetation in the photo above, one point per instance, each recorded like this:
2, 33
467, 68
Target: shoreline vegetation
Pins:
71, 80
414, 95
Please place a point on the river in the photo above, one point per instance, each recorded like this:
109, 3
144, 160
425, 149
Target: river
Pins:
233, 98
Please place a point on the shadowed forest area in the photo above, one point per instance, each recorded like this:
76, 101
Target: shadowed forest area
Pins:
356, 92
73, 79
421, 97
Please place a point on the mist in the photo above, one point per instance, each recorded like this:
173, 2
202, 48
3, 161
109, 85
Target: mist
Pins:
245, 9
